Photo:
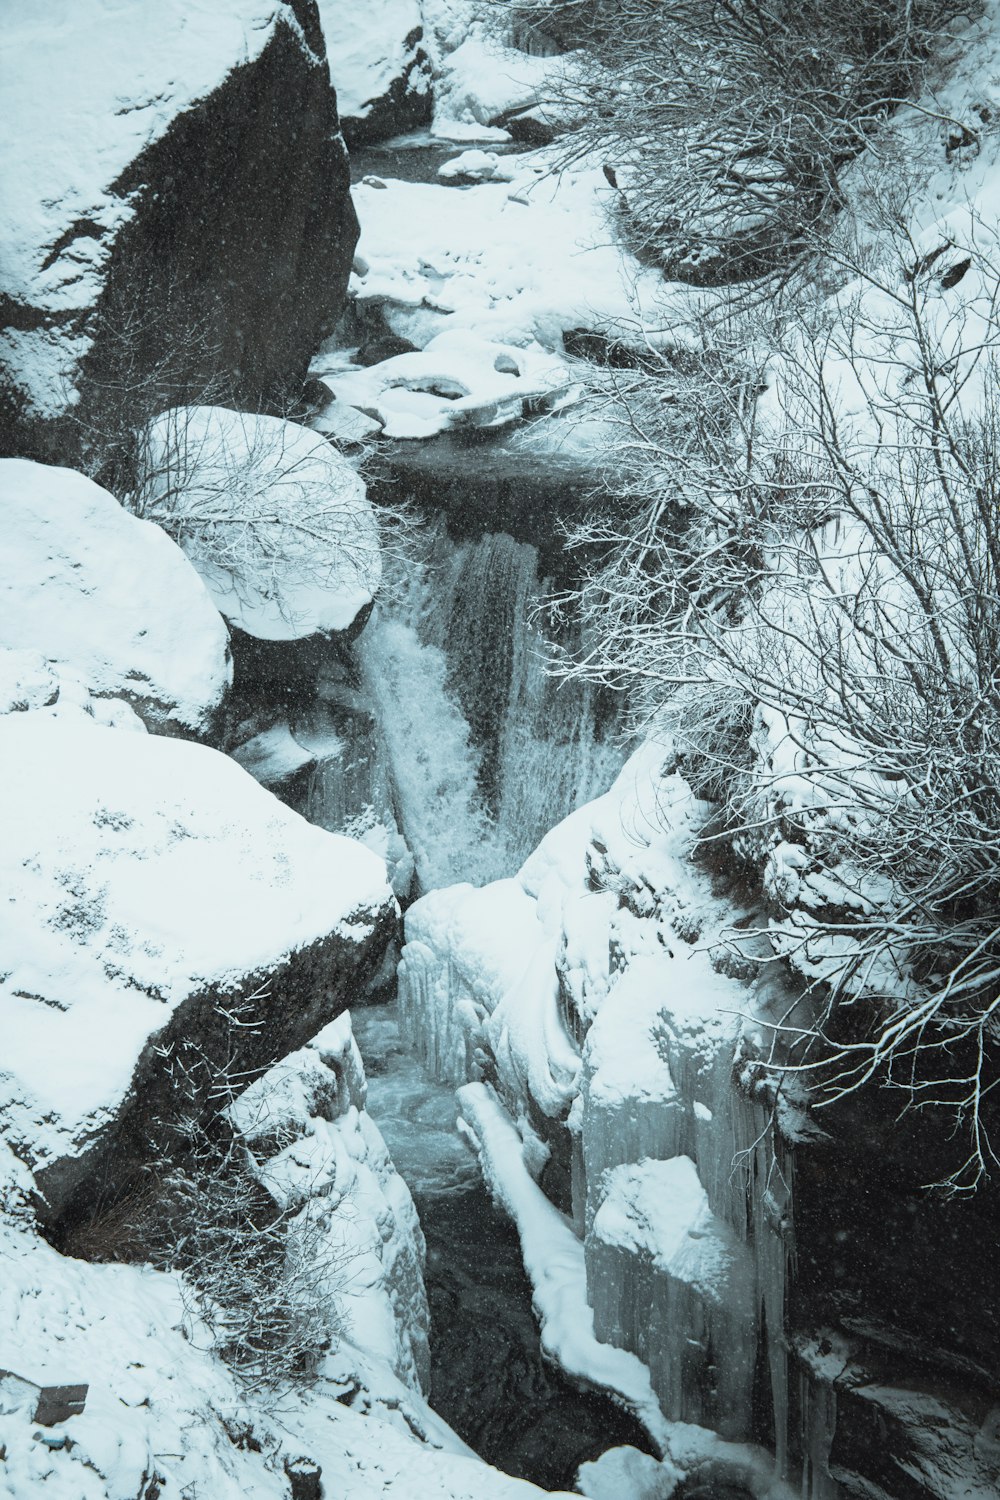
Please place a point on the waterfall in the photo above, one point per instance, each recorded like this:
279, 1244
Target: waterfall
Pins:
488, 749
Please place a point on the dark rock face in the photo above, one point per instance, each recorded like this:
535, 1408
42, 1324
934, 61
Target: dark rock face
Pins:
900, 1430
902, 1279
233, 265
239, 1033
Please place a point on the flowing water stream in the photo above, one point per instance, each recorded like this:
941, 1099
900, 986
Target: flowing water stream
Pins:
488, 1378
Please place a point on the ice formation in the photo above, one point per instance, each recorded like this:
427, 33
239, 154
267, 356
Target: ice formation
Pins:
583, 989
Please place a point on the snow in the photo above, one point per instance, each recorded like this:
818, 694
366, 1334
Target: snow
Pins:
161, 1404
489, 935
553, 1260
26, 680
511, 953
627, 1471
458, 379
139, 870
584, 990
669, 1280
659, 1209
106, 599
696, 1458
478, 166
345, 425
370, 49
91, 84
477, 76
515, 262
316, 1150
273, 756
276, 521
631, 1107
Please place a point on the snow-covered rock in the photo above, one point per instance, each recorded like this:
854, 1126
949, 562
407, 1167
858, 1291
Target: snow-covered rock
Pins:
277, 760
26, 680
173, 197
107, 600
316, 1150
156, 898
698, 1462
348, 427
378, 66
479, 77
163, 1414
478, 166
457, 380
275, 519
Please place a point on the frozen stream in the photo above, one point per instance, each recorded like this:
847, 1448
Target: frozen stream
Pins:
488, 1379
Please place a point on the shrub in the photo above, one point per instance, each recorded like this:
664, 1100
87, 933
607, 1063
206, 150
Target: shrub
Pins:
806, 587
726, 124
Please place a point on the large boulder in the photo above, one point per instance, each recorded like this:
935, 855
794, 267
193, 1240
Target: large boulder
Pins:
106, 603
274, 518
379, 66
175, 209
166, 925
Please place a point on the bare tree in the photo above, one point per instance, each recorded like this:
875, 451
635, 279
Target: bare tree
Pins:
807, 586
726, 124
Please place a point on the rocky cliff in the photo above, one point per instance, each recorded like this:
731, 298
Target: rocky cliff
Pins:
178, 211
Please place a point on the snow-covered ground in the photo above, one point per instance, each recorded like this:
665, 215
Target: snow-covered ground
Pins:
516, 262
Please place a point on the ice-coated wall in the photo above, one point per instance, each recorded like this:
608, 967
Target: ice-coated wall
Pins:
583, 992
671, 1282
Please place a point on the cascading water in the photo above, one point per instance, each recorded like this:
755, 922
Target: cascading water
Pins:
488, 749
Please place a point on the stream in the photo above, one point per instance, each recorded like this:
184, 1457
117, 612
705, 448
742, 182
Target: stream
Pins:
488, 1378
443, 722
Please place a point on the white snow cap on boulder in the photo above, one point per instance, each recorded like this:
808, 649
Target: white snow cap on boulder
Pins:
374, 54
276, 521
106, 596
138, 871
88, 85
